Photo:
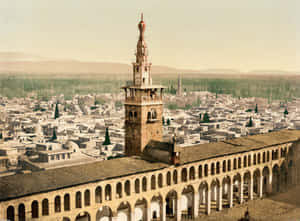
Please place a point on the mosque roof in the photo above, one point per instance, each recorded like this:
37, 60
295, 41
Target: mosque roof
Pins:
20, 185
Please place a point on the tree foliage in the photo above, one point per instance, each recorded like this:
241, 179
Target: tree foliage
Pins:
56, 113
107, 139
250, 123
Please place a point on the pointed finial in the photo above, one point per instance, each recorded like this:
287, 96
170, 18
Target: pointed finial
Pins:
142, 17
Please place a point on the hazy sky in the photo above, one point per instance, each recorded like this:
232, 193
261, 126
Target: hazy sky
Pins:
198, 34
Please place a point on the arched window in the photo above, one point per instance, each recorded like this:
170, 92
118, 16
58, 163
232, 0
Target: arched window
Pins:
137, 186
249, 160
119, 190
258, 158
224, 166
78, 200
192, 173
35, 209
10, 213
234, 164
218, 168
144, 184
239, 163
168, 178
268, 156
57, 207
153, 181
21, 212
87, 198
200, 171
135, 114
264, 157
212, 169
205, 170
254, 159
45, 207
175, 177
245, 161
184, 175
160, 180
229, 165
98, 195
127, 188
108, 192
154, 116
67, 202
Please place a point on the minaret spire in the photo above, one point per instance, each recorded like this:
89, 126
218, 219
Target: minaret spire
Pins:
142, 17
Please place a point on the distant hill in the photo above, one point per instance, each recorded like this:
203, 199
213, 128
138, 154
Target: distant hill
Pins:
22, 63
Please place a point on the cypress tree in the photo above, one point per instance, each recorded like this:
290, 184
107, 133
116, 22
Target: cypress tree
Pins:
286, 112
54, 137
168, 122
206, 118
163, 121
256, 109
56, 113
1, 136
107, 139
250, 123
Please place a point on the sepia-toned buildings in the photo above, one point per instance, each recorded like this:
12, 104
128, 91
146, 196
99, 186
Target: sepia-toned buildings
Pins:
156, 180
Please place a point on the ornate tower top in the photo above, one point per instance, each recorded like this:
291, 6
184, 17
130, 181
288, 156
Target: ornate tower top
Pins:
141, 67
143, 102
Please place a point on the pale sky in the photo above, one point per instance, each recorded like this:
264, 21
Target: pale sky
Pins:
195, 34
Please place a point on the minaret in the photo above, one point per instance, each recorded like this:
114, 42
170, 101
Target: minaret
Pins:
143, 102
179, 86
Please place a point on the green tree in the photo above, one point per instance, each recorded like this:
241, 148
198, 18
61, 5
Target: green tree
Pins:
56, 113
168, 122
200, 116
286, 112
1, 136
256, 109
107, 139
250, 123
206, 118
54, 137
163, 121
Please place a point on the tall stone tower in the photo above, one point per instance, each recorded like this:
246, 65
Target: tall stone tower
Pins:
179, 86
143, 102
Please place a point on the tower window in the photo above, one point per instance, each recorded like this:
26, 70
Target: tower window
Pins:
135, 114
152, 115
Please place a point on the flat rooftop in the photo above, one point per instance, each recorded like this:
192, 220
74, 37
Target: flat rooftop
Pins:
43, 181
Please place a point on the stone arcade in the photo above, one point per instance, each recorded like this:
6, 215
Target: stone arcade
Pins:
157, 180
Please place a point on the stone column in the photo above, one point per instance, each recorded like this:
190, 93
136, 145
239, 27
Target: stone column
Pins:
230, 193
220, 198
241, 191
269, 183
164, 214
207, 201
214, 193
149, 213
92, 197
41, 207
132, 218
178, 210
196, 204
260, 186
